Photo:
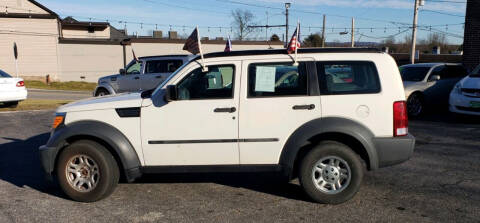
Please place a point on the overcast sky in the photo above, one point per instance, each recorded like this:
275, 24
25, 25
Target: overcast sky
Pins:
376, 18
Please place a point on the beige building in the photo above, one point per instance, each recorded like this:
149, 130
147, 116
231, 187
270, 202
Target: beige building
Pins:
67, 49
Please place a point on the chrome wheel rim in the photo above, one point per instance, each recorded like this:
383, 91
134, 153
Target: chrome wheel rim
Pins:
414, 105
331, 175
82, 173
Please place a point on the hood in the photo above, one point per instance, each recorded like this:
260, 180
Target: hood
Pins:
107, 78
470, 82
125, 100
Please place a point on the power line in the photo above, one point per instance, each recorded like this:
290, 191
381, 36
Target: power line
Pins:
443, 13
447, 1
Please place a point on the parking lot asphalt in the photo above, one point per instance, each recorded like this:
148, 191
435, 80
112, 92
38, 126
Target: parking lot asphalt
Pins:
440, 183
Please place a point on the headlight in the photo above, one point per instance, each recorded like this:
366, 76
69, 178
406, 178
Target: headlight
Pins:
458, 89
59, 120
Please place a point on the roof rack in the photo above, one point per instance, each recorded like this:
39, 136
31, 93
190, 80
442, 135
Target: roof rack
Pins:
173, 55
284, 51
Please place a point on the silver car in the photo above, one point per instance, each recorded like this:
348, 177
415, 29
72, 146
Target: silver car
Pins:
429, 84
145, 74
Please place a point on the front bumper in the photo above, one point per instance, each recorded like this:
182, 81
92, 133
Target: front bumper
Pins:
461, 104
394, 150
47, 159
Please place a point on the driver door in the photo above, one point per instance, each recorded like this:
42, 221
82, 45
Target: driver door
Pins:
130, 81
201, 127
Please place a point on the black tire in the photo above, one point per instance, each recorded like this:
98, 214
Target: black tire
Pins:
11, 104
101, 92
326, 150
415, 105
108, 170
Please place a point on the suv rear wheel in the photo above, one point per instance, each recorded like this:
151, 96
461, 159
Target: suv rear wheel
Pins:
331, 173
87, 171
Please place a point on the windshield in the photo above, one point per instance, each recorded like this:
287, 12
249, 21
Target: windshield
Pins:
476, 72
414, 73
3, 74
169, 78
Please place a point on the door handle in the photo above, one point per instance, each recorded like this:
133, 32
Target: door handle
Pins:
158, 77
229, 110
304, 107
136, 78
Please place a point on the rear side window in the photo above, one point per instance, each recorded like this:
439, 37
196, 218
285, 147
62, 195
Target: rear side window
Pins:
279, 79
3, 74
162, 66
455, 72
347, 77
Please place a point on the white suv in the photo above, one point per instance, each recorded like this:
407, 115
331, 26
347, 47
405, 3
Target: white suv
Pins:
340, 110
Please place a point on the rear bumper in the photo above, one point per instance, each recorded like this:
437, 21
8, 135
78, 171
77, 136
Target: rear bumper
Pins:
394, 150
18, 95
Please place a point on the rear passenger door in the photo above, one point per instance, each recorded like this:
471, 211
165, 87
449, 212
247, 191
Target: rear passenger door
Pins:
157, 70
276, 99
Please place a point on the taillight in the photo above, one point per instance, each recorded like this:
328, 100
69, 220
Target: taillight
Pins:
400, 118
20, 84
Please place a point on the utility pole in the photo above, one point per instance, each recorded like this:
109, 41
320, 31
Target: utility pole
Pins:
353, 32
287, 5
266, 28
323, 31
414, 32
414, 28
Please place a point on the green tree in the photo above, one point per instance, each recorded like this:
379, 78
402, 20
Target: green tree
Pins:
274, 37
313, 40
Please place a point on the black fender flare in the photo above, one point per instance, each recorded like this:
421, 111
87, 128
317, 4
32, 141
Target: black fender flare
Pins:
105, 132
301, 136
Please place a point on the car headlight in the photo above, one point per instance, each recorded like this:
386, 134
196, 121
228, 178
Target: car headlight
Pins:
457, 89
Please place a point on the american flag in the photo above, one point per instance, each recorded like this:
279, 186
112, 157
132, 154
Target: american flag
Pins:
228, 45
294, 43
191, 45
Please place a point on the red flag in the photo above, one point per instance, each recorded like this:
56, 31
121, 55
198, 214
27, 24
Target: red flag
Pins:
294, 42
191, 44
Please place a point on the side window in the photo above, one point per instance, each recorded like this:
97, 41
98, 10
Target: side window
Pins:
270, 80
217, 83
455, 72
134, 68
348, 77
162, 66
440, 71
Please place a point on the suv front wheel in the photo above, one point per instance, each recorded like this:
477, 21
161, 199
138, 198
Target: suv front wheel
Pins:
331, 173
87, 171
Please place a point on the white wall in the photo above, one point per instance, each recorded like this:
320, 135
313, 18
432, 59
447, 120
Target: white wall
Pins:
96, 60
37, 41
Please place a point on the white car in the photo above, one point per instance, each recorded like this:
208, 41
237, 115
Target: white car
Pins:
12, 90
319, 120
465, 96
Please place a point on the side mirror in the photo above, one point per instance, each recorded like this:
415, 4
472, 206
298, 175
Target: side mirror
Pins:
171, 93
434, 78
122, 71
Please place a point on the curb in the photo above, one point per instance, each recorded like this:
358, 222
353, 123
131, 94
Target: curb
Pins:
60, 91
45, 110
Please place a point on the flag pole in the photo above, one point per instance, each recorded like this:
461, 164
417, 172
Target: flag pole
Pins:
204, 68
296, 43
